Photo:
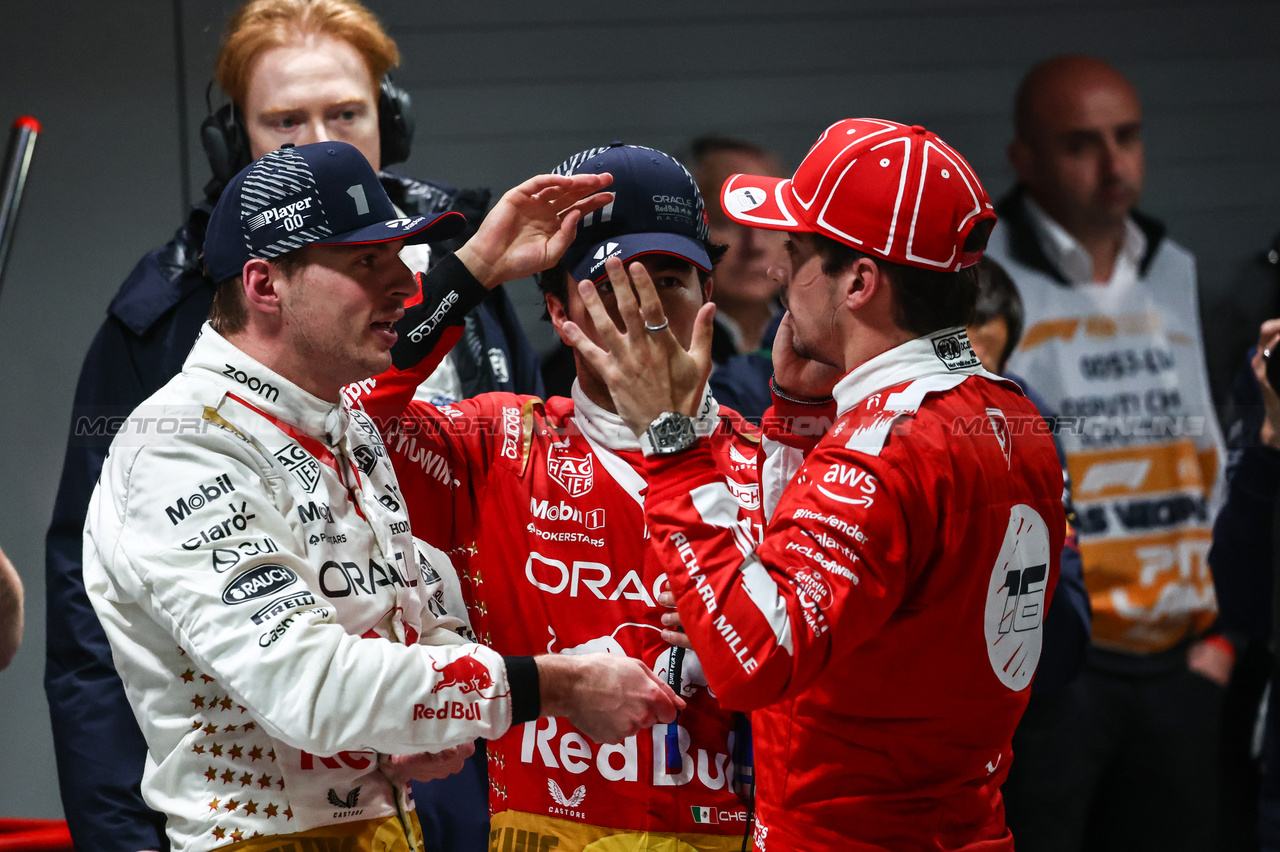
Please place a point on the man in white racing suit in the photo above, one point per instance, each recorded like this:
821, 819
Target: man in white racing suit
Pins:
281, 640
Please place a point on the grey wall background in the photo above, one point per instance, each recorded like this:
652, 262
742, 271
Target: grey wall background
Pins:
503, 89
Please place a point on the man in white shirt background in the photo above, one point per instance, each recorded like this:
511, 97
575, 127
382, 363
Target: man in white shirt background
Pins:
1127, 756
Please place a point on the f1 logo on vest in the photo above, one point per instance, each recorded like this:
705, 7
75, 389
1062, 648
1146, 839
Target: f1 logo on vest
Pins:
573, 472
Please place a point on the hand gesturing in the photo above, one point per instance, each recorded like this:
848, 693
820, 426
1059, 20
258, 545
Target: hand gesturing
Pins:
645, 367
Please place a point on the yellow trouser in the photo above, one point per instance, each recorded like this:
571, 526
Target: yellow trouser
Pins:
517, 831
381, 834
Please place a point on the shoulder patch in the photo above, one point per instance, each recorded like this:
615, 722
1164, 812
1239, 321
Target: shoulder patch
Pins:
211, 415
870, 436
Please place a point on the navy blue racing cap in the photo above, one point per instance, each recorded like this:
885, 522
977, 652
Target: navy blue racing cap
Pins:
325, 193
656, 209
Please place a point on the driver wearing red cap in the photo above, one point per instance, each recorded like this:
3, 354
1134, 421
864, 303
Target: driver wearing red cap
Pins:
886, 625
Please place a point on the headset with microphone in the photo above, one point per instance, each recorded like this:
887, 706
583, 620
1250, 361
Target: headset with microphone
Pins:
226, 143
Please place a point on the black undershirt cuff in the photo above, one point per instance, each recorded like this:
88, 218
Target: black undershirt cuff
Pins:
526, 700
449, 292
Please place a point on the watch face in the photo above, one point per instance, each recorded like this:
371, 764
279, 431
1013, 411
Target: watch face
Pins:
671, 432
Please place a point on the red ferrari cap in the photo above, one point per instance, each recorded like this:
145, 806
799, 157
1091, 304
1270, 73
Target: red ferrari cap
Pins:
881, 187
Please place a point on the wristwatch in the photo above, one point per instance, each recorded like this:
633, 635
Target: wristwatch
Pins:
670, 432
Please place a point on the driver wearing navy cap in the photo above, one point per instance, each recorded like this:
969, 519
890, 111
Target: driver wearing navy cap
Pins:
659, 219
542, 509
284, 642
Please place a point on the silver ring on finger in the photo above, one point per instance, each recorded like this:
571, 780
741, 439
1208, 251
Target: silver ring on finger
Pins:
665, 322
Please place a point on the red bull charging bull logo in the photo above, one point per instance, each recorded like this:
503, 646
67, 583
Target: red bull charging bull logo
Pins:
468, 674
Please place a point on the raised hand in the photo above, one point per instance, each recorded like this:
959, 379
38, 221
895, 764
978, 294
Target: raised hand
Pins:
645, 367
531, 226
1268, 341
798, 376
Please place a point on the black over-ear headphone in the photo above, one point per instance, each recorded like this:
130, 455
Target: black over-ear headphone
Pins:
226, 143
395, 122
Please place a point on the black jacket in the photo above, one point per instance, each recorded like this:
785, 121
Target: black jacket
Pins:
1243, 555
1233, 314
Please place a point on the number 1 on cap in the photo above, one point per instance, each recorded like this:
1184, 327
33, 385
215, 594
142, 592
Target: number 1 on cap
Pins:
356, 191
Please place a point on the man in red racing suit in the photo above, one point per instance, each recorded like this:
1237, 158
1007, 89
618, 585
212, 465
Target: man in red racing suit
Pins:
540, 507
886, 627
